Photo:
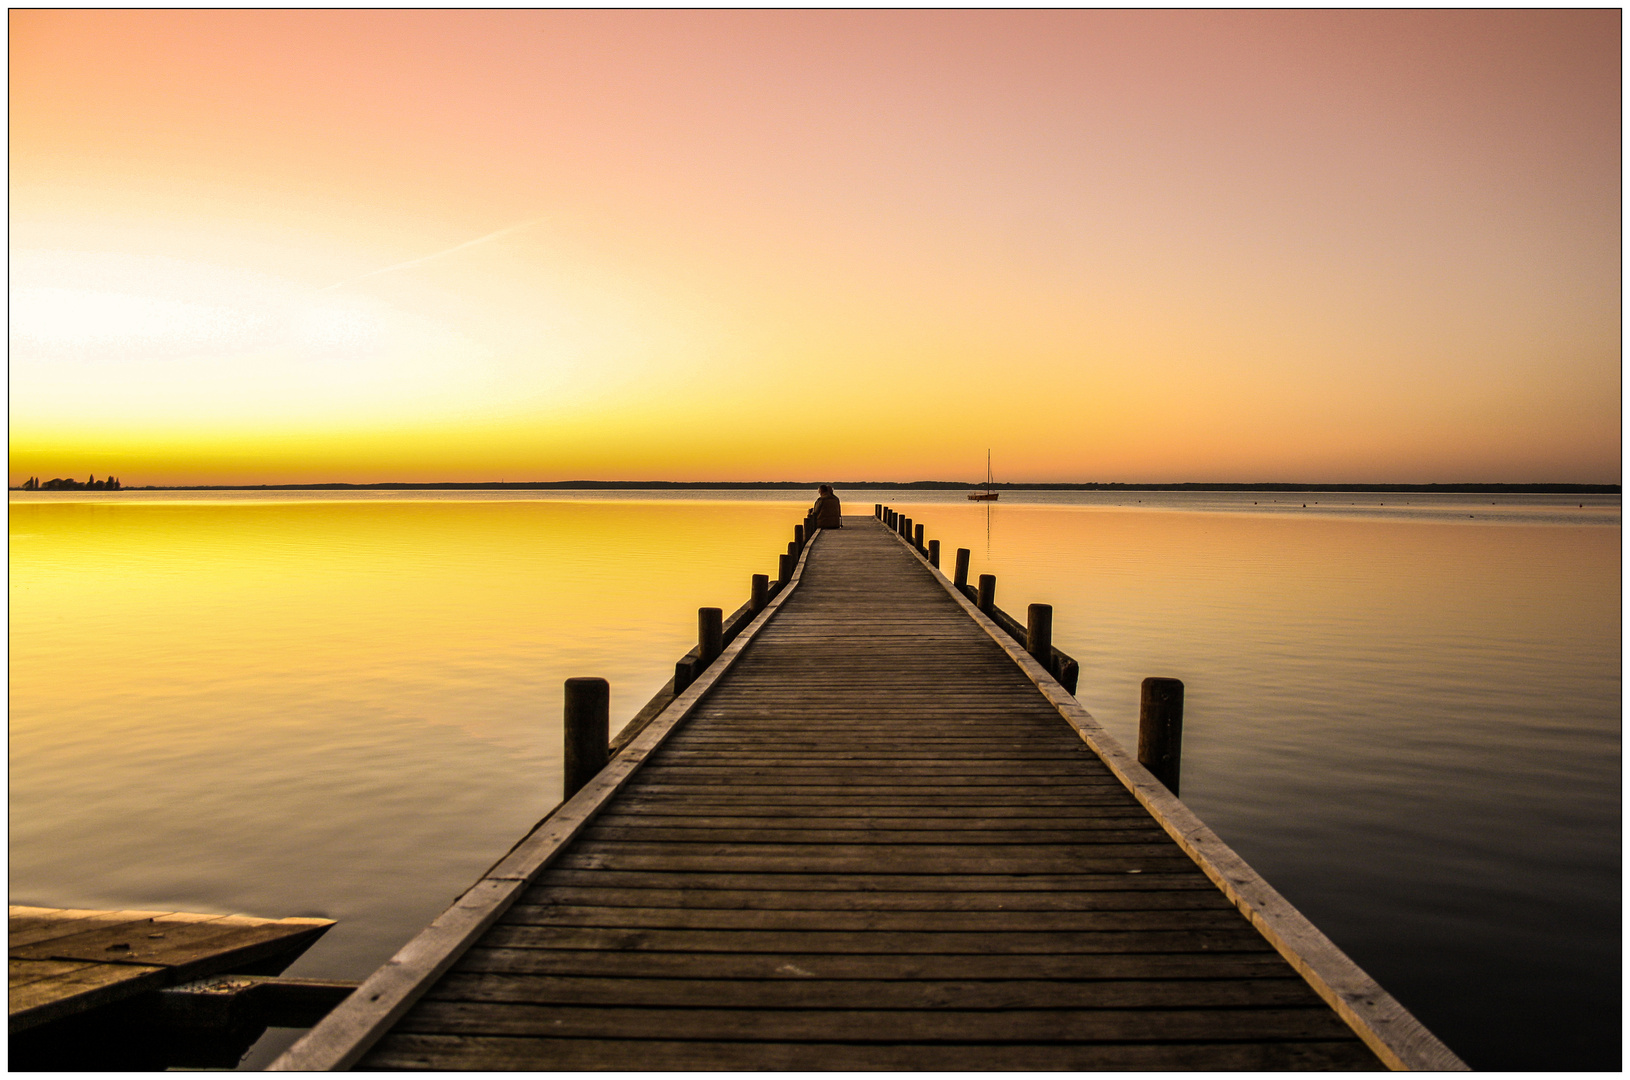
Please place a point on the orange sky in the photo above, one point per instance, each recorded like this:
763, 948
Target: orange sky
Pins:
1137, 245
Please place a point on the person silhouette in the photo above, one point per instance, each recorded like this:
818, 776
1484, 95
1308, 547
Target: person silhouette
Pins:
827, 511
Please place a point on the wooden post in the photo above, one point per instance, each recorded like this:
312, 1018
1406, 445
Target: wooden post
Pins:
761, 592
1160, 730
588, 731
1038, 638
798, 536
918, 538
961, 578
905, 527
1069, 674
987, 592
934, 554
877, 511
710, 633
785, 574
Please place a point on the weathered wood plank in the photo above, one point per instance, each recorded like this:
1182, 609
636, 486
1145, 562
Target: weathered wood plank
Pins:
408, 1051
877, 993
769, 899
1000, 887
878, 942
79, 988
651, 964
864, 1025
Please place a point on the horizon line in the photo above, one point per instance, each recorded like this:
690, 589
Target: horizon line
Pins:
955, 485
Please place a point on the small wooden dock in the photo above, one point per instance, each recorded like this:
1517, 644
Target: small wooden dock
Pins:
874, 834
64, 961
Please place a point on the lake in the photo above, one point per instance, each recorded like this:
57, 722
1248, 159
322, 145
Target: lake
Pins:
1403, 710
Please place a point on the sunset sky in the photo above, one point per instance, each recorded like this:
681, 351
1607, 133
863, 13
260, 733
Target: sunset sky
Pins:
1326, 246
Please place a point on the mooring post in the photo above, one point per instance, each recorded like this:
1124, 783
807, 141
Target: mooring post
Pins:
798, 537
877, 511
919, 539
961, 578
1038, 638
710, 633
785, 572
761, 592
792, 557
905, 527
1160, 730
987, 592
588, 731
934, 554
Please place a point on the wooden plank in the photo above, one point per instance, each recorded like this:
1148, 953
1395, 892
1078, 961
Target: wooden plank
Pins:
76, 989
811, 833
30, 925
1000, 886
172, 944
23, 972
877, 942
450, 1052
827, 919
878, 993
771, 899
860, 1025
653, 964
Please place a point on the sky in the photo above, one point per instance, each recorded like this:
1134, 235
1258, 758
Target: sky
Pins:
1140, 246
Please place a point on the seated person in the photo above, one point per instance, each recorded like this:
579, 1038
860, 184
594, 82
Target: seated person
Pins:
827, 511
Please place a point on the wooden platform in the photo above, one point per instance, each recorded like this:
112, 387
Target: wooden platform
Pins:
67, 961
875, 835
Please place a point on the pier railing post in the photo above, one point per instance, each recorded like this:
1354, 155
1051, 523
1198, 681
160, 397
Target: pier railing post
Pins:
785, 572
588, 731
934, 554
987, 592
798, 537
1160, 730
918, 539
961, 578
709, 634
761, 592
877, 511
1038, 638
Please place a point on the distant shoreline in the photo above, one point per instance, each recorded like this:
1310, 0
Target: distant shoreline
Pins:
890, 485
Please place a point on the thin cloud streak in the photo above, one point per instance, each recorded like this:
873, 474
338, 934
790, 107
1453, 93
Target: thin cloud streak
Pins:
421, 260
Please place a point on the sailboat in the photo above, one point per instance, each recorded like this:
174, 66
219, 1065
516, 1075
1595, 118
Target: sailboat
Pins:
987, 495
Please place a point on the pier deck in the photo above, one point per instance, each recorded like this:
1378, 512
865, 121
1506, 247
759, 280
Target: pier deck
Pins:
871, 837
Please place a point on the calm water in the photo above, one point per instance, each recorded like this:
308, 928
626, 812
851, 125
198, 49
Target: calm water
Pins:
1405, 716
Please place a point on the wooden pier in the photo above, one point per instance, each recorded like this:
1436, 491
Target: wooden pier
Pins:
873, 834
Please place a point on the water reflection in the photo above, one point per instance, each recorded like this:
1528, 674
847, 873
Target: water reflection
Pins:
347, 704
